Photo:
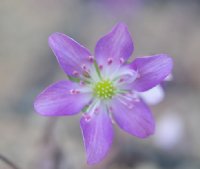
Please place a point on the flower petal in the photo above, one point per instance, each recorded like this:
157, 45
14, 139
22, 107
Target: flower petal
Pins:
151, 71
133, 117
169, 77
97, 136
153, 96
73, 58
62, 98
116, 45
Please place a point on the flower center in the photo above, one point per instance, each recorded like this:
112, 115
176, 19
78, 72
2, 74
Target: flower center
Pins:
104, 89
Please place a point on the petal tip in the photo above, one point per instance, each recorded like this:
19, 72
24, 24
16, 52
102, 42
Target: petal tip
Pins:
91, 161
121, 24
148, 134
152, 69
121, 27
52, 37
37, 107
150, 131
169, 61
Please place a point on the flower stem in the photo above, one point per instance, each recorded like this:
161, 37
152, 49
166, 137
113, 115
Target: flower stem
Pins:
8, 162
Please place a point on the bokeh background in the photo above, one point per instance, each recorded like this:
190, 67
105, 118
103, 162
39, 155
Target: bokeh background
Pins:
27, 66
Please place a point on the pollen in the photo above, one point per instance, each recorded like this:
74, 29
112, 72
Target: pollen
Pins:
104, 89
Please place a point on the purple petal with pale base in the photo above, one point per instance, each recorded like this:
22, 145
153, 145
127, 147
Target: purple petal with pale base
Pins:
97, 136
128, 111
71, 56
57, 99
133, 117
153, 96
115, 45
151, 71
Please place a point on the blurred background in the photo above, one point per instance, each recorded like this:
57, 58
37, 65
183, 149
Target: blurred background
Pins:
27, 66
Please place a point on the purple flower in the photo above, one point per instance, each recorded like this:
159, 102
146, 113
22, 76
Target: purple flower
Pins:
104, 87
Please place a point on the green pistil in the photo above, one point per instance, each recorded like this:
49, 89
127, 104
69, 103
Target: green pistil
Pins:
104, 89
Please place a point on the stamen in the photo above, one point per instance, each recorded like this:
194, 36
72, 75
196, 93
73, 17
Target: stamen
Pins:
132, 97
83, 66
100, 67
92, 110
87, 117
138, 75
123, 102
126, 74
86, 71
75, 73
128, 99
82, 83
121, 60
121, 80
130, 106
109, 61
74, 91
96, 111
110, 114
91, 58
77, 92
86, 74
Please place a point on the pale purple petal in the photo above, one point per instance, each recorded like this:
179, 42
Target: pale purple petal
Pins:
97, 136
151, 71
133, 117
153, 96
73, 58
116, 45
62, 98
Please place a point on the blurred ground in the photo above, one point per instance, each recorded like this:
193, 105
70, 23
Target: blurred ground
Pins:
27, 66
